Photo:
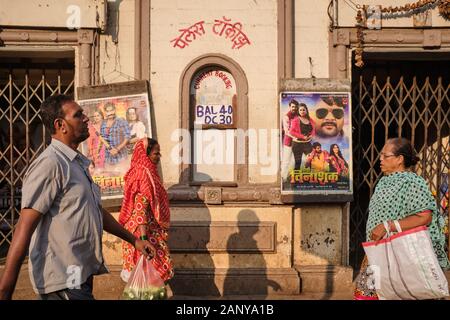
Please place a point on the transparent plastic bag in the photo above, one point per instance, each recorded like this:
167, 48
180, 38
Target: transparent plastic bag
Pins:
144, 283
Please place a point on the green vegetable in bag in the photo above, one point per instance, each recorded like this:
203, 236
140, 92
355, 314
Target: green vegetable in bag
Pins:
145, 283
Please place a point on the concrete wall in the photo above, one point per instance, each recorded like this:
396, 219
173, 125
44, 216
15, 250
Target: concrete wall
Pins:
311, 39
117, 43
319, 237
223, 237
258, 60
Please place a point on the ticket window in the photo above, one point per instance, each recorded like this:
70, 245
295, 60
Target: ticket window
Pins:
213, 125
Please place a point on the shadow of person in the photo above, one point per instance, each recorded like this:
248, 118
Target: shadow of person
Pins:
247, 273
189, 242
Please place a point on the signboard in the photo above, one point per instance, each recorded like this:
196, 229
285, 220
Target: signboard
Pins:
316, 150
214, 90
116, 124
214, 114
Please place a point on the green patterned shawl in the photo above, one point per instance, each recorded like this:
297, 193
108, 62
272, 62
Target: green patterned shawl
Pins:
402, 194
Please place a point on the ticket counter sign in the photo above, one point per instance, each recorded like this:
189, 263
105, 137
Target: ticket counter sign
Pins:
213, 104
214, 114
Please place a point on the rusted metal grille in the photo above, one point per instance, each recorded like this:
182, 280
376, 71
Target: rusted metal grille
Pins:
410, 99
23, 86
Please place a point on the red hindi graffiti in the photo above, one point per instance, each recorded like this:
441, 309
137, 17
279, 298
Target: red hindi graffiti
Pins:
224, 27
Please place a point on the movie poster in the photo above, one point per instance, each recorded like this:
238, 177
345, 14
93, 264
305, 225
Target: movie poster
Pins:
443, 201
316, 149
115, 125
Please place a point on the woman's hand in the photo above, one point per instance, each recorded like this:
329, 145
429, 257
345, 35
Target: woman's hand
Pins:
378, 232
145, 247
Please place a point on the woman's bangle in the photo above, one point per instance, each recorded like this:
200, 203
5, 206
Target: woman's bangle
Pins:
392, 227
143, 237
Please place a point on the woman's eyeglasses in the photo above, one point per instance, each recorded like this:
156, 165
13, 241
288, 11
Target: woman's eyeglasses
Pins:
323, 112
384, 156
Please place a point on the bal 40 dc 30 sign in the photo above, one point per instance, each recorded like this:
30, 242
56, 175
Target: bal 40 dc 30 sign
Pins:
214, 114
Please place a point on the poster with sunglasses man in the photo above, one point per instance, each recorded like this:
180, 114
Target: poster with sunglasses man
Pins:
330, 116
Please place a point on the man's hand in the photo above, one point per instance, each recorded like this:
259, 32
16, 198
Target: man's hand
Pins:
145, 247
114, 151
378, 232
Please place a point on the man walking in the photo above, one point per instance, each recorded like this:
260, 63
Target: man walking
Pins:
62, 220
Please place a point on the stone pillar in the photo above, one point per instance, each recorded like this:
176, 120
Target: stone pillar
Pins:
341, 61
85, 42
341, 42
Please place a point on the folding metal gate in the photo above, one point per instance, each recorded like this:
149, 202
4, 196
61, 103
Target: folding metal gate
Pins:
391, 99
24, 84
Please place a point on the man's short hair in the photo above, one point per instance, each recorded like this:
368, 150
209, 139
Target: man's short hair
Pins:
51, 109
316, 144
337, 101
294, 102
110, 105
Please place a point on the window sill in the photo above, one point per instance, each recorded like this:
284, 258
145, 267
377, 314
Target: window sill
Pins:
213, 183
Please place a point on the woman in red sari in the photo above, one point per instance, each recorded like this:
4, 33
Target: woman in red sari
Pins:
145, 209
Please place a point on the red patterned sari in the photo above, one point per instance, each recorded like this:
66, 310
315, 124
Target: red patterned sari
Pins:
145, 202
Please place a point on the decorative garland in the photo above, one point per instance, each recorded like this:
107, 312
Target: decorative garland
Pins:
410, 7
444, 10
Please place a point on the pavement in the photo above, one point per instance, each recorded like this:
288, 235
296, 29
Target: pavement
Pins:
110, 287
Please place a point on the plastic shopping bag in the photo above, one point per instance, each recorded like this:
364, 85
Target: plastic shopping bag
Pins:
406, 266
144, 283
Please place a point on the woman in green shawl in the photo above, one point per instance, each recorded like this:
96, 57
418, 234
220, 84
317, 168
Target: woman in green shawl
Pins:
404, 196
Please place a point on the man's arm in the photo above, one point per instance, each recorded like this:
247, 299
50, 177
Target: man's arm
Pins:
112, 226
28, 221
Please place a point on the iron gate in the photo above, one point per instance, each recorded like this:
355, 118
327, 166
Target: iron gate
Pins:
24, 84
392, 99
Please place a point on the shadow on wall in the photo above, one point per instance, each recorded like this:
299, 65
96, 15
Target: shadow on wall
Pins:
238, 245
193, 243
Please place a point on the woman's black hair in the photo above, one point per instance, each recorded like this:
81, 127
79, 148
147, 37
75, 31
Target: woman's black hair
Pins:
339, 152
403, 147
151, 144
303, 105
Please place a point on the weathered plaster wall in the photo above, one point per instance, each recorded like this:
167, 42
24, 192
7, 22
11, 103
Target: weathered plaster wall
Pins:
311, 39
117, 43
318, 235
223, 237
258, 60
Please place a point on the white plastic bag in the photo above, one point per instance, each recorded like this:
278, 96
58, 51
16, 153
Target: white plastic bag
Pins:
144, 283
405, 266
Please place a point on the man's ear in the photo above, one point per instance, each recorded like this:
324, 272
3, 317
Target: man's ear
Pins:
58, 123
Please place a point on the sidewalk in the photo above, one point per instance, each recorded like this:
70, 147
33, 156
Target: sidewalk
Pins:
110, 287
